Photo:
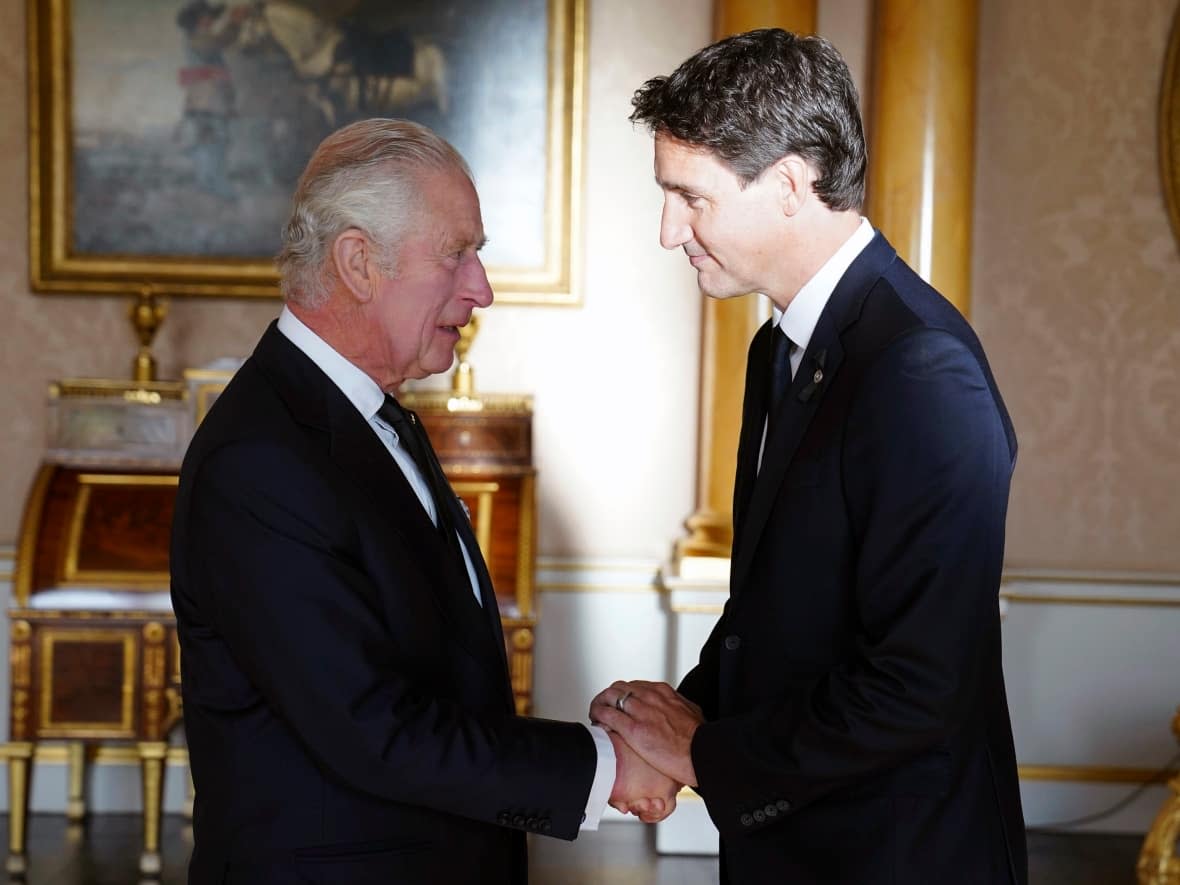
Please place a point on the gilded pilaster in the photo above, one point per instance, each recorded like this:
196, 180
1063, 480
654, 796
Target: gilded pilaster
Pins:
20, 658
922, 145
154, 670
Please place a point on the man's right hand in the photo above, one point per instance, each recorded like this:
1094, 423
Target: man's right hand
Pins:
640, 789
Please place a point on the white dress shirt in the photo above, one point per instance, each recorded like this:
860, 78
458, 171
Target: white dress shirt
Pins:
798, 321
364, 393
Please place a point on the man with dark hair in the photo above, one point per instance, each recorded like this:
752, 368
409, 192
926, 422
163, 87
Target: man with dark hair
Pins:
346, 696
847, 720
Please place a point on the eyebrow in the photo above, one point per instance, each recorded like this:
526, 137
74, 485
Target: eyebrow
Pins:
673, 186
463, 244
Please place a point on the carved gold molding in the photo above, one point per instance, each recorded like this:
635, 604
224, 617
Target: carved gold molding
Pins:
114, 755
55, 267
50, 727
1103, 774
109, 578
1069, 599
545, 564
147, 392
696, 608
1169, 125
1047, 576
29, 527
592, 587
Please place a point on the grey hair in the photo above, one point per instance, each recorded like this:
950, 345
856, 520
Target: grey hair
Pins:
757, 97
363, 176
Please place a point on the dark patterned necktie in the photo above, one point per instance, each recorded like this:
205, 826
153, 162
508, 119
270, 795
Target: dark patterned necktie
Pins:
412, 437
781, 349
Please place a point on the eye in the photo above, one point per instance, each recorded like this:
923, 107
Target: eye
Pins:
692, 201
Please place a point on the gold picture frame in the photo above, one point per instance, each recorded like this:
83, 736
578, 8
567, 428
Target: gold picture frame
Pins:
1169, 124
93, 186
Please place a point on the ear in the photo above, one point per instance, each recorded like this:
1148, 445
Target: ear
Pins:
351, 252
794, 176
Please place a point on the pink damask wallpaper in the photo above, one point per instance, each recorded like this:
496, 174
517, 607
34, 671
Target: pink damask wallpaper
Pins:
1077, 279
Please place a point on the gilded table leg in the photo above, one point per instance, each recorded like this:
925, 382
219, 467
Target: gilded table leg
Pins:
151, 758
20, 758
1159, 863
76, 803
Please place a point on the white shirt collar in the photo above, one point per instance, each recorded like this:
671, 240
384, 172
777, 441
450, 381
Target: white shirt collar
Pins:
361, 390
799, 319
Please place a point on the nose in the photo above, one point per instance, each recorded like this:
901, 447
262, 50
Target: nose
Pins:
474, 284
674, 229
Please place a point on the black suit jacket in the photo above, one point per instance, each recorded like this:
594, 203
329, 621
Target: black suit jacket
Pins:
346, 700
857, 729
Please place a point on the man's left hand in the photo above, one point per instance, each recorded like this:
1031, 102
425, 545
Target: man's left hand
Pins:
656, 722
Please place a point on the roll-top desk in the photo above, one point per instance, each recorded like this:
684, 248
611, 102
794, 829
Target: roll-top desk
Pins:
93, 651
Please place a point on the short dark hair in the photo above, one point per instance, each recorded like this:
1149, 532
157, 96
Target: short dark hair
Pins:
757, 97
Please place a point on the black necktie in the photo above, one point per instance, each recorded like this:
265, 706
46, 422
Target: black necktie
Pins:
780, 370
413, 439
452, 522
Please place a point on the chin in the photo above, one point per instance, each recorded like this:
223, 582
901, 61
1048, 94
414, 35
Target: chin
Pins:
721, 290
439, 366
719, 294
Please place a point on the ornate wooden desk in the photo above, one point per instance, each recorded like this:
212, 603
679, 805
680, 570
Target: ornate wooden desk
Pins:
93, 654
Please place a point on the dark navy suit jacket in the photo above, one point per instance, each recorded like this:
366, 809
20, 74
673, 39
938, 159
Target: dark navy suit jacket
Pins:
858, 730
346, 700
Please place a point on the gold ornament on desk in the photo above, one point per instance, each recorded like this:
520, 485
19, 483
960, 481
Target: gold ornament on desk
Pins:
147, 315
463, 398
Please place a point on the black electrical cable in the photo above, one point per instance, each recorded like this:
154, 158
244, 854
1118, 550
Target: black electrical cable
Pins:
1156, 778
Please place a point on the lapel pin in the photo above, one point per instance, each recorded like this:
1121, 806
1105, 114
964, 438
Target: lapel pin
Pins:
808, 392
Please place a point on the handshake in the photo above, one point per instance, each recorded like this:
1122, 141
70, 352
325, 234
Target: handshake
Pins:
651, 727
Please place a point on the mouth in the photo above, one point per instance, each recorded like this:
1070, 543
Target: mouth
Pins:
453, 328
698, 260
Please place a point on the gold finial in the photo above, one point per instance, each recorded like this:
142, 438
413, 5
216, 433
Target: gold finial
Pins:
147, 315
463, 381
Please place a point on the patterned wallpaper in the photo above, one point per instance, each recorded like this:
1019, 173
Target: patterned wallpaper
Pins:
1077, 279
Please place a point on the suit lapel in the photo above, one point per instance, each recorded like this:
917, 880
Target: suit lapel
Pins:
491, 608
359, 453
818, 369
362, 458
791, 419
753, 411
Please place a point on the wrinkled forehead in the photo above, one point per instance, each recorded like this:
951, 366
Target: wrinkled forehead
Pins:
450, 207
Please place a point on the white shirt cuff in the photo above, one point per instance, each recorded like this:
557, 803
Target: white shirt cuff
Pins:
604, 778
